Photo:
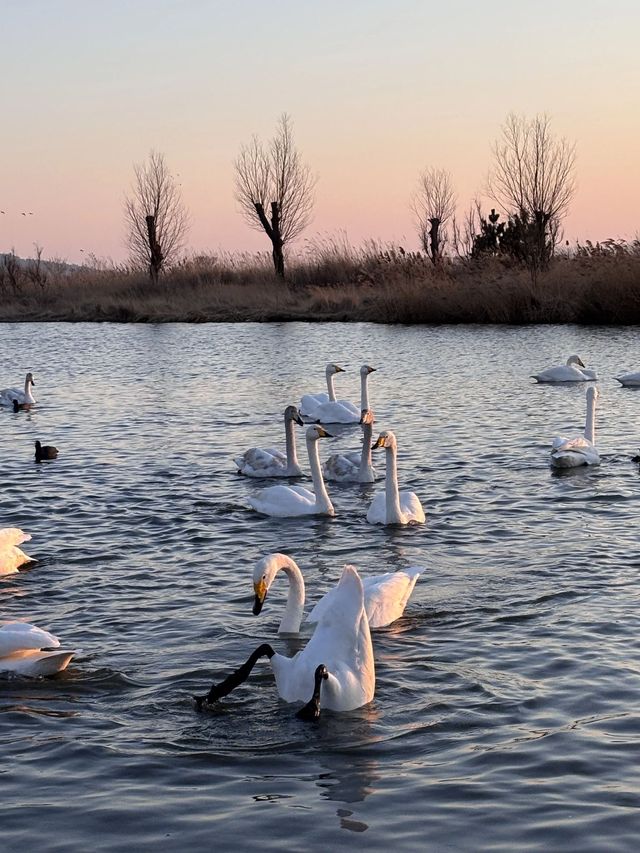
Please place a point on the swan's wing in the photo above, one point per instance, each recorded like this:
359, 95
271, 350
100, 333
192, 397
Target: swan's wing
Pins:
560, 443
338, 412
377, 513
12, 536
8, 395
310, 402
411, 507
255, 462
20, 636
562, 373
340, 467
386, 596
629, 378
284, 501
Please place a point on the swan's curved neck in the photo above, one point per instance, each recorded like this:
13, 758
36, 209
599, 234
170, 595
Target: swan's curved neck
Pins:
290, 435
28, 397
590, 425
364, 391
330, 389
323, 502
366, 464
392, 493
293, 612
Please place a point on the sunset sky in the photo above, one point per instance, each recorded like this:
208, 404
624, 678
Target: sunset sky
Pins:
377, 91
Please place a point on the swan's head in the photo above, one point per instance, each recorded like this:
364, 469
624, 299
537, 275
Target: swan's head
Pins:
575, 359
366, 416
311, 710
333, 368
365, 370
30, 378
316, 431
385, 439
291, 413
592, 393
263, 574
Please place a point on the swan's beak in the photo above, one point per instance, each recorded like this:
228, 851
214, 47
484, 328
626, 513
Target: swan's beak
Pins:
580, 362
299, 420
260, 590
322, 433
379, 443
372, 369
339, 369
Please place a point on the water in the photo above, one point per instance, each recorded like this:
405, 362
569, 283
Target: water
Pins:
506, 708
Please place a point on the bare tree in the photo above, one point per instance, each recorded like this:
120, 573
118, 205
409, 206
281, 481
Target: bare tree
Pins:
157, 221
434, 204
274, 178
533, 179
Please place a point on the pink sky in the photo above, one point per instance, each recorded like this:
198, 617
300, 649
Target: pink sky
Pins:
377, 92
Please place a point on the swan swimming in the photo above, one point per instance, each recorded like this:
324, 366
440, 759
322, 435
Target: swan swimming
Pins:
288, 501
573, 371
342, 411
385, 596
341, 643
571, 452
355, 466
257, 462
310, 402
28, 650
24, 398
12, 557
393, 506
629, 380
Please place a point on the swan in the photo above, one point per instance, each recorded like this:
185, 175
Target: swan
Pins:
629, 380
310, 402
393, 506
569, 372
571, 452
342, 411
46, 451
385, 596
286, 501
11, 557
355, 466
272, 462
28, 650
341, 642
24, 398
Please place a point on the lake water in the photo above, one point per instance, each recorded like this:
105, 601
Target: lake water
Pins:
507, 712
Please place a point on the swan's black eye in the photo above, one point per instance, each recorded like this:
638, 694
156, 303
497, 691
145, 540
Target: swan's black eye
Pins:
264, 577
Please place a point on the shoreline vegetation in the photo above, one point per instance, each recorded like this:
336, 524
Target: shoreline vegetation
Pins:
589, 284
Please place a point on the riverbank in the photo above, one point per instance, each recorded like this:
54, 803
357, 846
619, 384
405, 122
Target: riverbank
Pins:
600, 285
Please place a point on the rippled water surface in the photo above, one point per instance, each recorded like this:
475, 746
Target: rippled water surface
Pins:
506, 713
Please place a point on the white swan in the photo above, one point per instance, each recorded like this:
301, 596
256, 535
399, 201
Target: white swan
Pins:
571, 452
287, 501
385, 596
341, 643
342, 411
629, 380
272, 462
23, 398
11, 557
393, 506
355, 466
310, 402
28, 650
573, 371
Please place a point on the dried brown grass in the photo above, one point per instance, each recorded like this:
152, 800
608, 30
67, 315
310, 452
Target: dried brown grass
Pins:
333, 281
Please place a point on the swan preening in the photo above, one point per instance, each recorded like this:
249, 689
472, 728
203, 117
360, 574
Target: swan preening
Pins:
629, 380
289, 501
24, 398
257, 462
573, 371
341, 643
355, 466
385, 596
11, 556
572, 452
393, 506
28, 650
45, 451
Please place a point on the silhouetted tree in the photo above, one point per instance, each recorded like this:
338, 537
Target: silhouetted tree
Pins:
434, 204
275, 189
156, 218
533, 180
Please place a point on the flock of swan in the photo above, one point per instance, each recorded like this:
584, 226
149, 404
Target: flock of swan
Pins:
336, 666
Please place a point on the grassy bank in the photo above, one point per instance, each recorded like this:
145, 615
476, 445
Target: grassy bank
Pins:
598, 284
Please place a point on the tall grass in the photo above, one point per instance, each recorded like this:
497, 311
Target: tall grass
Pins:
331, 280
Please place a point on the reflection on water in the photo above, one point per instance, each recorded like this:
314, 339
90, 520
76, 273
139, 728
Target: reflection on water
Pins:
505, 714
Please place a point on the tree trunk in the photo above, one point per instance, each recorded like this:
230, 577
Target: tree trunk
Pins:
434, 239
156, 259
272, 230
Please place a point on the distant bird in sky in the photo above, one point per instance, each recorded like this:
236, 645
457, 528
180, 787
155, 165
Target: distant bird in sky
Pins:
24, 214
1, 211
